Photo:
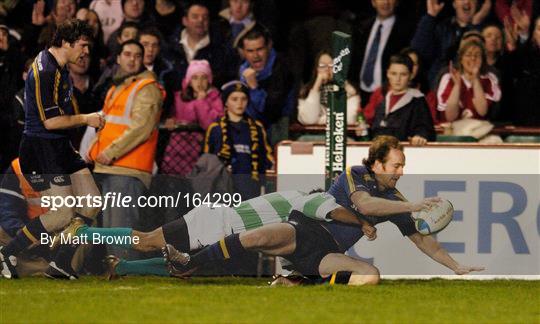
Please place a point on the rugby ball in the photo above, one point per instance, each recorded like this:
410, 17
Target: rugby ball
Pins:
435, 219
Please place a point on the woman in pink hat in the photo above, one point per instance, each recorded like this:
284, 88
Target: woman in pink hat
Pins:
198, 103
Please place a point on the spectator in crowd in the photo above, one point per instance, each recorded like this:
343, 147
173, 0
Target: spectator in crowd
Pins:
10, 83
527, 69
165, 15
437, 40
240, 141
504, 8
82, 90
374, 41
314, 96
128, 31
42, 28
154, 61
195, 42
417, 81
16, 114
110, 15
234, 20
269, 81
404, 113
19, 204
500, 61
133, 11
99, 51
198, 103
124, 149
470, 90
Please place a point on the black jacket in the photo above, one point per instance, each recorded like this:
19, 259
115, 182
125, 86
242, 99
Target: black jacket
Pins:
398, 39
410, 117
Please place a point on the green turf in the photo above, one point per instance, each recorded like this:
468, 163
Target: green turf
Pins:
211, 300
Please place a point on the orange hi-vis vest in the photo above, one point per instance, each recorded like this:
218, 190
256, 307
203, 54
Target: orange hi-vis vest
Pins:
33, 198
117, 113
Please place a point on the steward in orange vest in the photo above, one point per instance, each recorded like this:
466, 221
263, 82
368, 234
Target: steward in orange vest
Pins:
129, 138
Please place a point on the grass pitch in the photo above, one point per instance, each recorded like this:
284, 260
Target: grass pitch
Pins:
234, 300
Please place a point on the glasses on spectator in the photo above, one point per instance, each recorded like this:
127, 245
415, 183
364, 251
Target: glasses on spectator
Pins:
325, 66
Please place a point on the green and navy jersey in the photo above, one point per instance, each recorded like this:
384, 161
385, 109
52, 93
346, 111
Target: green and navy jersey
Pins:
48, 93
359, 178
276, 207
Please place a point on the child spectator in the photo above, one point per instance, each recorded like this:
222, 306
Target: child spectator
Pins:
240, 142
197, 103
404, 113
313, 98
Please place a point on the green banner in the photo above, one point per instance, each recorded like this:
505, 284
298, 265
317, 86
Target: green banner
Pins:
336, 113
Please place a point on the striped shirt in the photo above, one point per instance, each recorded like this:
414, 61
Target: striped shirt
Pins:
276, 207
48, 93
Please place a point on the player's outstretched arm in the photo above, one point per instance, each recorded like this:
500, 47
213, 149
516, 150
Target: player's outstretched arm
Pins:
374, 206
434, 250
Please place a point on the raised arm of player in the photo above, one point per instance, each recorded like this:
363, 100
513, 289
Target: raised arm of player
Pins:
374, 206
434, 250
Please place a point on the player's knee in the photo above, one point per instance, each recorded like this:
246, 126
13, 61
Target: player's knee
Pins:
63, 217
369, 276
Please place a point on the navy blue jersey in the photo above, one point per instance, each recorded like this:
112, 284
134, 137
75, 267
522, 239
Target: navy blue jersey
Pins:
240, 140
48, 93
358, 178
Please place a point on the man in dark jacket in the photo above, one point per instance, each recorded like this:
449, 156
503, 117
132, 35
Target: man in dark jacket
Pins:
374, 41
269, 80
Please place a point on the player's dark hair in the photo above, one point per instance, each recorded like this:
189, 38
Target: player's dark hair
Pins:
258, 30
379, 149
131, 42
316, 191
403, 60
71, 31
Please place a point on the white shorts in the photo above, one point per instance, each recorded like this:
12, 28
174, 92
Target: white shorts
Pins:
206, 226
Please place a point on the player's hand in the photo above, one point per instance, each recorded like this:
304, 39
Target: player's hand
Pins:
418, 140
95, 120
369, 231
102, 158
461, 270
434, 7
425, 204
251, 78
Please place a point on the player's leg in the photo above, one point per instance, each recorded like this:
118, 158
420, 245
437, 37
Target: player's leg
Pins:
271, 239
44, 225
344, 269
83, 185
116, 267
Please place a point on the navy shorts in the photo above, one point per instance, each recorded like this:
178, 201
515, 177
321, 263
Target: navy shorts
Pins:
48, 160
313, 243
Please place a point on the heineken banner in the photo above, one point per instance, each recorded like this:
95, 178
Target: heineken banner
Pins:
336, 121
